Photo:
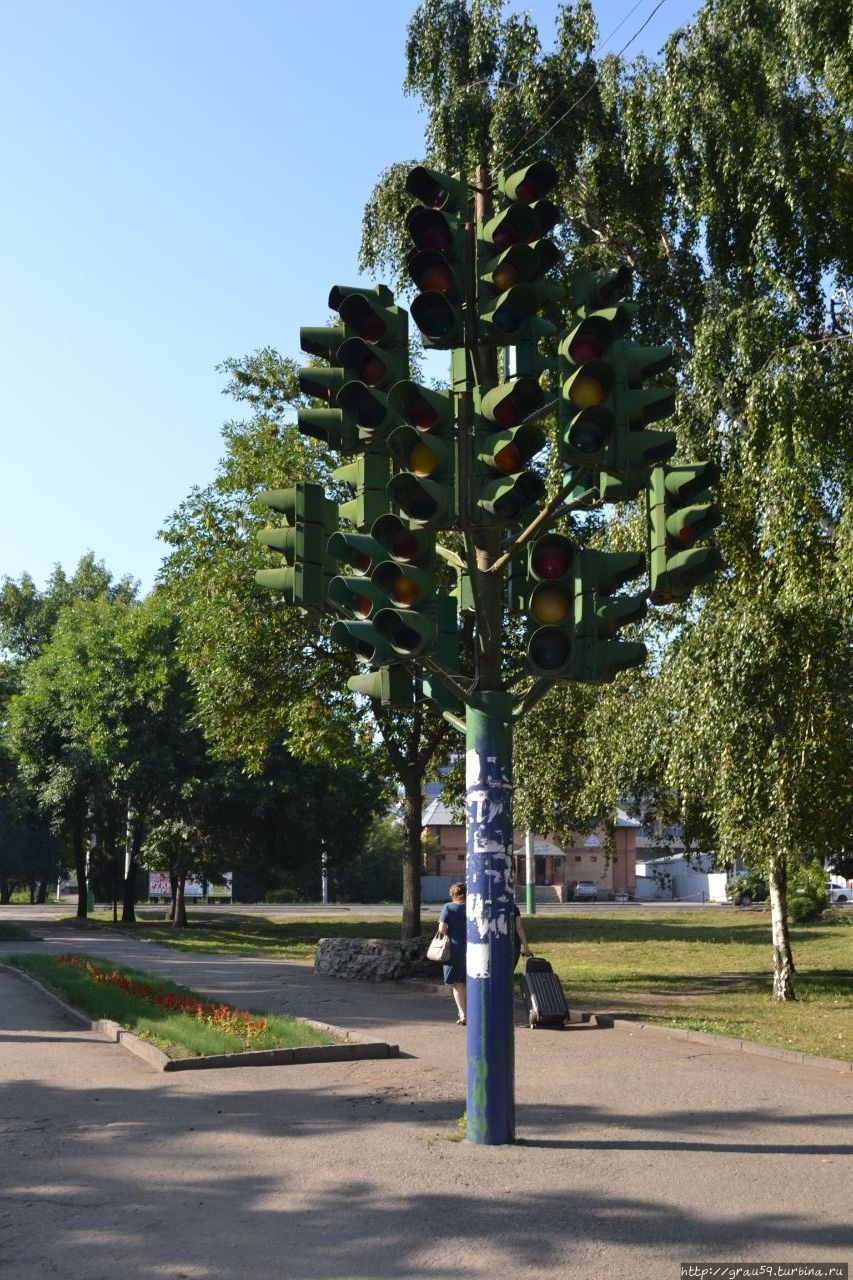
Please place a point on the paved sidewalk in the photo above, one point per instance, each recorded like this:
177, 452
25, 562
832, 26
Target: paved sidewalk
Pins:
638, 1151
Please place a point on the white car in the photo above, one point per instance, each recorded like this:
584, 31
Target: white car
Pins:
838, 894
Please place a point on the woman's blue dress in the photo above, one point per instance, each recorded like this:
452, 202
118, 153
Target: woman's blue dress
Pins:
453, 915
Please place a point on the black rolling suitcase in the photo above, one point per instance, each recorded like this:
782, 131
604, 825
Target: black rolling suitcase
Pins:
543, 995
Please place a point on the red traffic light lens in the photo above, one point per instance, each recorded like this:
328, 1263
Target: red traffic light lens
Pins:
362, 606
436, 234
404, 546
506, 413
505, 235
372, 327
362, 562
550, 560
585, 347
422, 415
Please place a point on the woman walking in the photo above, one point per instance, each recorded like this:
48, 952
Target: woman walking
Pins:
452, 922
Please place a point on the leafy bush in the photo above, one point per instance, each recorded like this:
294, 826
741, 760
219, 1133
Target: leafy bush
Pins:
282, 894
807, 894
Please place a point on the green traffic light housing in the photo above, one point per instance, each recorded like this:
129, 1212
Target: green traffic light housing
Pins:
681, 512
310, 517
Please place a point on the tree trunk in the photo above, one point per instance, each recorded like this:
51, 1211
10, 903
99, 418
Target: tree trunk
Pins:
41, 896
132, 847
173, 890
79, 846
5, 892
783, 961
412, 856
179, 917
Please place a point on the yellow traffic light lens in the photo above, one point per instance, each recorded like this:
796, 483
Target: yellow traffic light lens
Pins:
550, 606
422, 460
405, 591
437, 278
586, 392
506, 276
508, 459
373, 371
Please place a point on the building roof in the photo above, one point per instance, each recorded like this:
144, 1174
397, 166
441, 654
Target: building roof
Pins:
437, 814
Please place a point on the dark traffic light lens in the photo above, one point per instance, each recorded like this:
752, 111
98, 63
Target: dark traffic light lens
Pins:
506, 413
505, 276
551, 561
362, 562
507, 319
422, 415
505, 235
436, 278
404, 546
372, 328
362, 606
587, 436
372, 371
549, 649
585, 347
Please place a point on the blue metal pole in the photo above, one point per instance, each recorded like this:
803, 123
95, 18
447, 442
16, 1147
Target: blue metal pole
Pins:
488, 877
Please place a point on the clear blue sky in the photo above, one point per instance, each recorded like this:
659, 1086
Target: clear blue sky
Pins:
164, 207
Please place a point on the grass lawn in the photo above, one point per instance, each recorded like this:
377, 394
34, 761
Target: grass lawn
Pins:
710, 969
179, 1033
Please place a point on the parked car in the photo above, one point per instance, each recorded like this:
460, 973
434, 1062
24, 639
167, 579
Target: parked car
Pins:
745, 889
838, 894
585, 891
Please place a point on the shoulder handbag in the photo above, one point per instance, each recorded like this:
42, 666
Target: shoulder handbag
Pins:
439, 948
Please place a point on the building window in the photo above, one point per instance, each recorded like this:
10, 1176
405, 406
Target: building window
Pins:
594, 858
578, 857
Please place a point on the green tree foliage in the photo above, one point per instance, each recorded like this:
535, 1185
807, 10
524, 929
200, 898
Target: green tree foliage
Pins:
722, 173
260, 670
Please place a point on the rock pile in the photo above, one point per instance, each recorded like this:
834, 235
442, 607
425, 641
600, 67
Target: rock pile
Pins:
375, 959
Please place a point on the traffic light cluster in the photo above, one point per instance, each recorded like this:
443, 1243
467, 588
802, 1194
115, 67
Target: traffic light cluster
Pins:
369, 556
574, 614
604, 409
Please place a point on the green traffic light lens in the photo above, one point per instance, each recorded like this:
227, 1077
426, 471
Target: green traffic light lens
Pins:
549, 649
434, 316
507, 319
586, 436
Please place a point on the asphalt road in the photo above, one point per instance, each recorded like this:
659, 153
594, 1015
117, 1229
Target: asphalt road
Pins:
637, 1151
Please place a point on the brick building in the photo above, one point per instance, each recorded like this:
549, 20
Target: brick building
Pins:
558, 868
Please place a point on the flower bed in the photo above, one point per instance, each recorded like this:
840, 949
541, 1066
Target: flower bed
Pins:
243, 1024
180, 1022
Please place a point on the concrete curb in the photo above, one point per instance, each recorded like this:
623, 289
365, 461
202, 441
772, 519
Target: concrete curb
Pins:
708, 1037
349, 1051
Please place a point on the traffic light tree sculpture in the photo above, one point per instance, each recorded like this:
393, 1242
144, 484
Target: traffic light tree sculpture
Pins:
444, 514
